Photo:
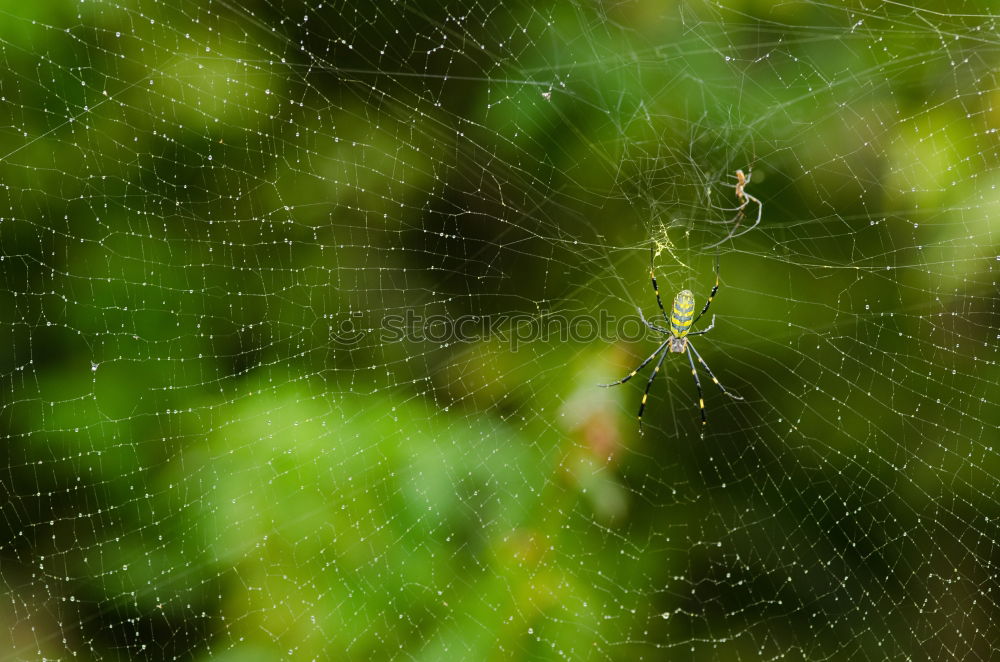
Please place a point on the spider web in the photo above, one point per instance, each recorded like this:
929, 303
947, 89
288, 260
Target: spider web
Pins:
211, 213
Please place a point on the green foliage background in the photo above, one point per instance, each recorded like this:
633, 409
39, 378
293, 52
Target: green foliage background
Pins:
195, 196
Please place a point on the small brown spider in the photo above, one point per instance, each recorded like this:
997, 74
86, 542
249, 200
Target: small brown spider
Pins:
744, 198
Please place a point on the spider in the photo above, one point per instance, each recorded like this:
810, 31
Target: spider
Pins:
678, 340
744, 198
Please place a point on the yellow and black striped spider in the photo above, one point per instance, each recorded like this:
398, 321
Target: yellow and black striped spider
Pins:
678, 339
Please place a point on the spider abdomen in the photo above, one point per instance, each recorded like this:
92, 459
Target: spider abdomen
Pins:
682, 313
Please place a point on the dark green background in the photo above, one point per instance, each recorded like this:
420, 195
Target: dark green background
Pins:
195, 197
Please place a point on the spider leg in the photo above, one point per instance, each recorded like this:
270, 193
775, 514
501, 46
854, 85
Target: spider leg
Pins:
740, 196
740, 208
705, 330
641, 366
649, 384
715, 288
652, 277
697, 382
744, 198
739, 217
760, 210
652, 326
732, 234
709, 370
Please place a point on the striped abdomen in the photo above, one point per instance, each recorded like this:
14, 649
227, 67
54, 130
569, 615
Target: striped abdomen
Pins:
682, 314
